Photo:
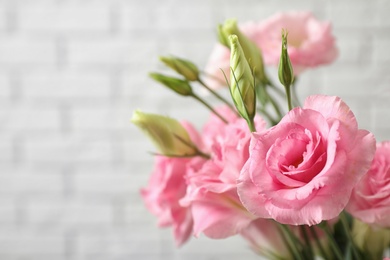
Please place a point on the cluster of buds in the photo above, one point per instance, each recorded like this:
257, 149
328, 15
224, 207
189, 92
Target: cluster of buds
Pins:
247, 79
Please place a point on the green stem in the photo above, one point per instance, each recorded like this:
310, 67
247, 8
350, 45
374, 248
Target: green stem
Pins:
251, 125
214, 78
291, 242
308, 248
217, 95
318, 242
332, 242
193, 146
277, 90
209, 107
202, 154
347, 230
275, 106
288, 95
268, 116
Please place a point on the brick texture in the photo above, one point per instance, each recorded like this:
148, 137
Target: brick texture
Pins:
72, 72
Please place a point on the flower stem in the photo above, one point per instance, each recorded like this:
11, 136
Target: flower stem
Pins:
209, 107
217, 95
290, 241
332, 242
288, 95
268, 116
307, 250
251, 125
276, 89
347, 230
318, 243
203, 155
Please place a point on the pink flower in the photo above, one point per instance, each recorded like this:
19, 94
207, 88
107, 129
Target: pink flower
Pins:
212, 190
167, 185
303, 170
370, 200
310, 41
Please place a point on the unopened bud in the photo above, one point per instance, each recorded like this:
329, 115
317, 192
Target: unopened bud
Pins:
241, 81
182, 87
222, 37
250, 49
167, 134
285, 73
183, 67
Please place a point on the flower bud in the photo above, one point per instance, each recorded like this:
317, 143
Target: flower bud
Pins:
182, 87
183, 67
285, 73
241, 81
222, 37
251, 51
167, 134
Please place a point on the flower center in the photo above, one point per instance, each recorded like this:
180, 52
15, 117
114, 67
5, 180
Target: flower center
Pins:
296, 38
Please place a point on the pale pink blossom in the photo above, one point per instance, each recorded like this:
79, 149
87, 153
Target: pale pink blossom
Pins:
212, 191
310, 41
167, 185
303, 170
370, 200
310, 44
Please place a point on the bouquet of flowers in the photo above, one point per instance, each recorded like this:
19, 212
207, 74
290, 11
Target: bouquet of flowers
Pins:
295, 181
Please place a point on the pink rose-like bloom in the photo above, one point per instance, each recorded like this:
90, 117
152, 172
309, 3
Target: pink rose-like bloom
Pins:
370, 200
167, 185
310, 44
303, 170
212, 190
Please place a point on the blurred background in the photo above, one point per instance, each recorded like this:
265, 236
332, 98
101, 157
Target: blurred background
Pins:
72, 72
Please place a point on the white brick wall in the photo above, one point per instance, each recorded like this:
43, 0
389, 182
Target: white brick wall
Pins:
72, 72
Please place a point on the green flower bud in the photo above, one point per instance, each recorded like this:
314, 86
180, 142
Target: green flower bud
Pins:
286, 73
241, 81
222, 37
183, 67
167, 134
251, 51
370, 239
182, 87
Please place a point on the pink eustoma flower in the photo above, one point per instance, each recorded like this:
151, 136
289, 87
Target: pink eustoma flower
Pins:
370, 200
167, 186
212, 190
303, 170
310, 44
